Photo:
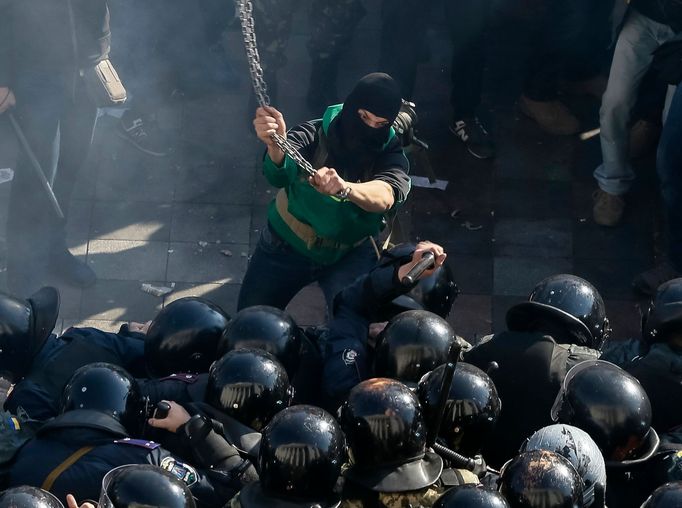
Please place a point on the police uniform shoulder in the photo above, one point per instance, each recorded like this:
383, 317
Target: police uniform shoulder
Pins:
182, 377
140, 443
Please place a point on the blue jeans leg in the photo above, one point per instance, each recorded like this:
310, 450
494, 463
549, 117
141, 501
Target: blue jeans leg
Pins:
669, 166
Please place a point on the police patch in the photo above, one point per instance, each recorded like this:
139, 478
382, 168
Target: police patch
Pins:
348, 356
182, 471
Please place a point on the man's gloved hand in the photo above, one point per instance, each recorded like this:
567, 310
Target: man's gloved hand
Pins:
7, 99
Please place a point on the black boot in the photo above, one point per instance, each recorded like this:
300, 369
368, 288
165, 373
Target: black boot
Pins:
322, 90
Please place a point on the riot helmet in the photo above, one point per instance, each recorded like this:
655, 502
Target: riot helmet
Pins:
564, 302
139, 485
267, 328
665, 496
412, 344
184, 337
579, 448
386, 434
108, 389
28, 497
611, 406
541, 479
249, 385
470, 496
435, 293
471, 410
26, 325
664, 314
300, 458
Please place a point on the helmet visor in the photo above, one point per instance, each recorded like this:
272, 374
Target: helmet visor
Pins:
559, 403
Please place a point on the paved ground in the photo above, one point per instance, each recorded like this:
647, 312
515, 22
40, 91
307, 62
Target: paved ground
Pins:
519, 218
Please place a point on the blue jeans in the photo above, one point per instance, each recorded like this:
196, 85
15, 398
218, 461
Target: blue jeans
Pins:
277, 272
669, 166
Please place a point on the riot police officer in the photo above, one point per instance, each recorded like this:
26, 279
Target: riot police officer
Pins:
28, 497
412, 344
390, 462
102, 411
562, 323
613, 408
300, 461
470, 496
183, 337
665, 496
541, 479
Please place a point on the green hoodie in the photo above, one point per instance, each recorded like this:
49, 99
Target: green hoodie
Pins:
336, 220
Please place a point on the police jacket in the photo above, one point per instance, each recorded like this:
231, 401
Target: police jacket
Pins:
188, 390
73, 452
531, 369
51, 36
345, 350
660, 373
40, 390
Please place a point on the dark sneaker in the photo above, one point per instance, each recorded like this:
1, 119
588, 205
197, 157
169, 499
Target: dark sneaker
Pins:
608, 208
474, 136
647, 282
147, 140
71, 269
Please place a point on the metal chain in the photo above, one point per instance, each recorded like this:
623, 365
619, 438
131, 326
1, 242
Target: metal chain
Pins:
259, 86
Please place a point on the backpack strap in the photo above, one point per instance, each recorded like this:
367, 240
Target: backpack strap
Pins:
68, 462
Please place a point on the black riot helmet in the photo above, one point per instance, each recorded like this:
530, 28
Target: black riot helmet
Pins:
108, 389
139, 485
435, 293
664, 314
25, 325
471, 410
541, 479
184, 337
386, 434
470, 496
611, 406
566, 302
412, 344
579, 448
665, 496
267, 328
28, 497
250, 385
300, 458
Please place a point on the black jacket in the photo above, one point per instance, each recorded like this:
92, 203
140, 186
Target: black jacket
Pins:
668, 12
60, 36
223, 475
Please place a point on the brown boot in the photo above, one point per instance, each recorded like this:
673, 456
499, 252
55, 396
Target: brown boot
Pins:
647, 282
608, 208
644, 136
551, 116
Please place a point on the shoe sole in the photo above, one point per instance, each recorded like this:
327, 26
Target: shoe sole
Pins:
474, 154
139, 147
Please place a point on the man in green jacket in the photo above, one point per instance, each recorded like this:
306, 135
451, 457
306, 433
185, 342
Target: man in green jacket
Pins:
319, 227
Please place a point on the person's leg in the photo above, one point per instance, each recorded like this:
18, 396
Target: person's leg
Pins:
403, 38
275, 273
669, 167
638, 39
334, 278
333, 24
31, 217
467, 21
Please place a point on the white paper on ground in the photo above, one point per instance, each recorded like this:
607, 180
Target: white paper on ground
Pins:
6, 175
422, 181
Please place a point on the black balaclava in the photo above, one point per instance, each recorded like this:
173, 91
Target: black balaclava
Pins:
351, 139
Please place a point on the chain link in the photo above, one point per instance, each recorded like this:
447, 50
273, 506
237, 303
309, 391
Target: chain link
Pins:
259, 86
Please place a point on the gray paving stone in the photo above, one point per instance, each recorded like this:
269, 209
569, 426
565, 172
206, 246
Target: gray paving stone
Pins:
78, 223
188, 262
501, 305
473, 274
211, 223
119, 300
533, 238
470, 316
219, 182
128, 259
516, 276
130, 220
308, 308
223, 295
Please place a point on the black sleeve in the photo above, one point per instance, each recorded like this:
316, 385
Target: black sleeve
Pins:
6, 43
393, 167
303, 137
